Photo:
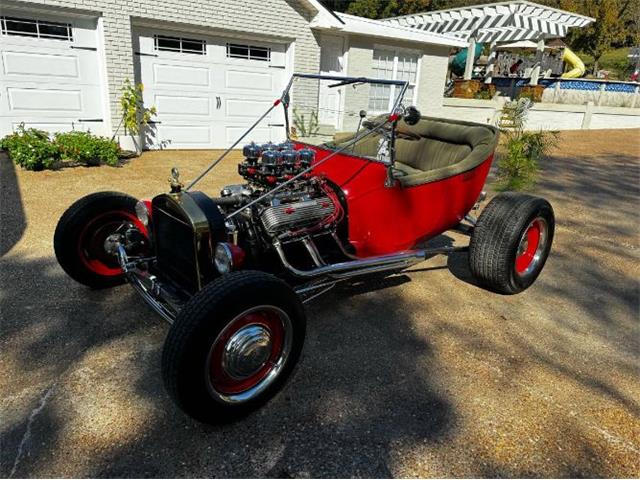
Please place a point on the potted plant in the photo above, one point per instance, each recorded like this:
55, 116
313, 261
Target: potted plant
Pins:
135, 116
466, 88
532, 92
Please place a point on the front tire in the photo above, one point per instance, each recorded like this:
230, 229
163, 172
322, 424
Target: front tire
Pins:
233, 346
79, 239
511, 242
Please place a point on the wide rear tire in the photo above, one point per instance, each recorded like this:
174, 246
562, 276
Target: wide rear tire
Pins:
233, 346
80, 234
511, 242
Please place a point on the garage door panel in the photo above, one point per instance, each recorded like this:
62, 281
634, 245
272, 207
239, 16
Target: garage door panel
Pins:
245, 108
50, 65
61, 101
164, 74
45, 99
182, 106
242, 80
64, 125
185, 135
258, 135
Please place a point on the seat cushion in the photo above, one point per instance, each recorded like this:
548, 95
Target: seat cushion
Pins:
402, 170
443, 148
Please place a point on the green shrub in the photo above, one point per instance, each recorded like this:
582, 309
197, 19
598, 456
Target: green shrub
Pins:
483, 94
304, 128
518, 165
521, 150
87, 149
32, 149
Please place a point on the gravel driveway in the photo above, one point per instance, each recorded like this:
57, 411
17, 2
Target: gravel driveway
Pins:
422, 375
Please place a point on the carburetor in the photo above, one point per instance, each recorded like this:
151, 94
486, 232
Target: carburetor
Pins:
269, 165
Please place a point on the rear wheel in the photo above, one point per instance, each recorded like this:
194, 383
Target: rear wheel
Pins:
233, 345
81, 233
511, 242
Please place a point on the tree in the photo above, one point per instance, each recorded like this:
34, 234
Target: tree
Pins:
384, 8
617, 25
600, 36
366, 8
617, 21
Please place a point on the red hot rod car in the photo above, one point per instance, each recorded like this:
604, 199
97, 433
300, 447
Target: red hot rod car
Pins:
231, 272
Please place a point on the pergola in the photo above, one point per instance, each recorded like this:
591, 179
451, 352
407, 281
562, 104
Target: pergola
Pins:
497, 23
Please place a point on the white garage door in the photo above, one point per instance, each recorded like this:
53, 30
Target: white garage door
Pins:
50, 76
208, 90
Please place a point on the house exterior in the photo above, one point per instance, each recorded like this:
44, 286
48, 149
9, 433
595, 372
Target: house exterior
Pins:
210, 67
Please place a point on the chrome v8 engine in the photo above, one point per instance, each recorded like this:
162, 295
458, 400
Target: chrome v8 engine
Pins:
303, 206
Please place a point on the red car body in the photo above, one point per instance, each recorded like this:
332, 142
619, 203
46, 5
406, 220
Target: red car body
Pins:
389, 219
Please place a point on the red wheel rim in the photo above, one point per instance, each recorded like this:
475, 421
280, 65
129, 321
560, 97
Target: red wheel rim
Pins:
92, 237
249, 353
531, 247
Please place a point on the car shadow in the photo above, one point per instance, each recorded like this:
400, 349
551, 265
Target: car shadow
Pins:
12, 216
357, 390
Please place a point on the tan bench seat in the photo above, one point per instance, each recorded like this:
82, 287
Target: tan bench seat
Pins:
434, 148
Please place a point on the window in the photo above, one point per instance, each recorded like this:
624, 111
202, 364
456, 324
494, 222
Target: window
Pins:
36, 28
180, 45
392, 65
248, 52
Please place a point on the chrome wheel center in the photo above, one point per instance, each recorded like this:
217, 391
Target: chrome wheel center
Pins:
247, 351
532, 258
524, 244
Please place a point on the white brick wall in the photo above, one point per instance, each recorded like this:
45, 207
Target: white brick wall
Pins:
285, 19
433, 76
359, 65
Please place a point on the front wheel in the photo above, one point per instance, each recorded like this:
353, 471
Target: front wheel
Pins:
82, 232
233, 345
511, 242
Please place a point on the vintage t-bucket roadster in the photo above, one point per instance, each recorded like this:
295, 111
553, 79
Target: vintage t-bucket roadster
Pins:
231, 273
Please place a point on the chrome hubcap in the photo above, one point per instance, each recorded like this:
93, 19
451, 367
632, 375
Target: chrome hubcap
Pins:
247, 351
249, 354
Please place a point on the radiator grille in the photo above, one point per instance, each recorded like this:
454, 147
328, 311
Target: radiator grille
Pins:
175, 248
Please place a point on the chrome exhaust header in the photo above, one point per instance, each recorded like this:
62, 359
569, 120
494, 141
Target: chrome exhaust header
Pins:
357, 267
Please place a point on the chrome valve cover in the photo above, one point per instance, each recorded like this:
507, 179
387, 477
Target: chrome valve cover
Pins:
297, 214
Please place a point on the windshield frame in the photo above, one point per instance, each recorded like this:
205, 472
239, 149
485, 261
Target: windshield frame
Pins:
285, 98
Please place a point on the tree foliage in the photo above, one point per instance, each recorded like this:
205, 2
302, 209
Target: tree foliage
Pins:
617, 21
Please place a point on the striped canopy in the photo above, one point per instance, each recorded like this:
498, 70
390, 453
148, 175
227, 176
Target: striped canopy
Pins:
496, 22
